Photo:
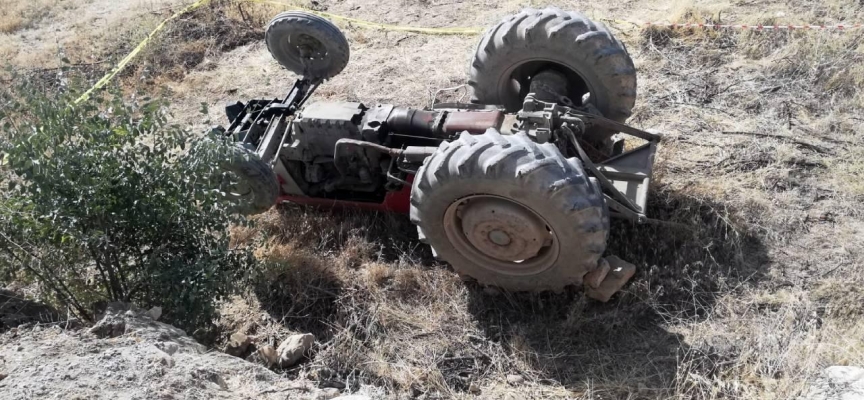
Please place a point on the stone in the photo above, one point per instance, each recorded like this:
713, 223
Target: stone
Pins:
294, 348
238, 344
838, 382
109, 326
210, 376
3, 376
269, 355
594, 278
515, 380
327, 394
620, 272
168, 347
474, 389
167, 361
154, 313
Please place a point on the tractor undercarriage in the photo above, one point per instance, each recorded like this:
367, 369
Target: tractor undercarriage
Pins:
514, 189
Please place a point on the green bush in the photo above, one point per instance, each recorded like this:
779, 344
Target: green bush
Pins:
107, 201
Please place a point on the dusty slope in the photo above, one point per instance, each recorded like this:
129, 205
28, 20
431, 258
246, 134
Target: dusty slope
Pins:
753, 304
151, 360
82, 30
135, 358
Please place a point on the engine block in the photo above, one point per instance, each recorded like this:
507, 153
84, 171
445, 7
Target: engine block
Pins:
319, 126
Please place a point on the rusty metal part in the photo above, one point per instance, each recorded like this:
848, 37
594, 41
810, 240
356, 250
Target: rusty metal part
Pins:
473, 122
501, 235
594, 278
620, 272
607, 123
413, 121
630, 173
604, 182
345, 148
349, 155
458, 107
549, 86
442, 124
503, 230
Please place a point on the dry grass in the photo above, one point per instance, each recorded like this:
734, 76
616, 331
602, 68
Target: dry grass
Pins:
198, 39
19, 15
768, 330
762, 157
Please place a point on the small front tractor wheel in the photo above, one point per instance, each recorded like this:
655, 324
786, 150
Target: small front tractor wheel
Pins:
255, 187
509, 212
307, 45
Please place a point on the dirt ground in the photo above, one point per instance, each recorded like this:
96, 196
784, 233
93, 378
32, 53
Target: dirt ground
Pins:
762, 158
150, 360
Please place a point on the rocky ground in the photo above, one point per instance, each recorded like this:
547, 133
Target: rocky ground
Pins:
130, 355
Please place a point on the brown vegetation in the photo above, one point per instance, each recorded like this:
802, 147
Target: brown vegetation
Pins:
16, 16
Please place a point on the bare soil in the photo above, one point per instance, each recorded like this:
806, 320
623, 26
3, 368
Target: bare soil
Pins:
145, 359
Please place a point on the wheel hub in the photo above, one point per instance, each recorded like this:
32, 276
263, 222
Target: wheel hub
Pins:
502, 229
501, 235
500, 238
308, 47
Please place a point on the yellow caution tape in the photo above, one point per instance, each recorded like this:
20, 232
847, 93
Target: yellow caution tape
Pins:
399, 28
137, 50
375, 25
126, 60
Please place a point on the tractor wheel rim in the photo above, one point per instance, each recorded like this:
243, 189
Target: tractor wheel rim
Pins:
501, 235
307, 50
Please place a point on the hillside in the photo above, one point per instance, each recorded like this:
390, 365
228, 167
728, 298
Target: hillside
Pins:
762, 158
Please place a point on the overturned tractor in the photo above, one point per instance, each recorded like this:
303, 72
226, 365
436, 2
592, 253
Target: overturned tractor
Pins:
515, 189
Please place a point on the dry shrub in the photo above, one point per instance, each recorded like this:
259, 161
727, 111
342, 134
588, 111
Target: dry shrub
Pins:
297, 284
833, 63
661, 36
848, 174
243, 235
353, 280
196, 39
761, 140
765, 345
19, 15
838, 299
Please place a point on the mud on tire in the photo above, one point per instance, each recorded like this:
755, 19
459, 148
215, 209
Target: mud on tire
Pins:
513, 169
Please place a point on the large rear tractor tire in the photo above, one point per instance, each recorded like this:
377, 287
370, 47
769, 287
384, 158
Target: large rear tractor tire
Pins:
585, 52
509, 212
